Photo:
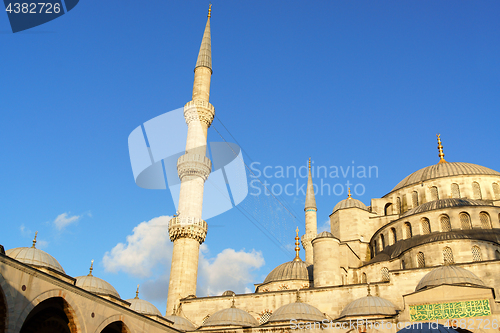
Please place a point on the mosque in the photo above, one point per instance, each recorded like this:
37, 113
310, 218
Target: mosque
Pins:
427, 251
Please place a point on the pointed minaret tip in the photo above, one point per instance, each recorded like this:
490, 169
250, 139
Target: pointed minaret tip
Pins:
310, 197
210, 11
440, 149
205, 54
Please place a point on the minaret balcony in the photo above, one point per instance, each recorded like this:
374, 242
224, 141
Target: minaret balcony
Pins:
187, 227
194, 165
199, 110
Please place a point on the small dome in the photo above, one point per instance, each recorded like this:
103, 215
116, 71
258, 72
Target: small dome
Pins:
231, 317
228, 293
181, 324
35, 257
349, 203
444, 170
448, 274
96, 285
143, 307
292, 270
368, 306
444, 203
297, 311
325, 234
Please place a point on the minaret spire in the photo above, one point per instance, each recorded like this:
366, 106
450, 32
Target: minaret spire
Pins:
187, 229
440, 148
311, 219
297, 246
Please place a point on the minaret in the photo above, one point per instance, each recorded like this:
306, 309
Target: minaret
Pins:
311, 221
187, 229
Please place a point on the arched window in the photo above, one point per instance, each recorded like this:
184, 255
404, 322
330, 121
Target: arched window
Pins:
375, 248
426, 226
394, 238
445, 223
485, 220
382, 242
414, 197
434, 193
398, 205
448, 256
388, 209
476, 191
420, 260
476, 253
496, 190
455, 191
497, 254
363, 278
385, 274
465, 221
403, 266
407, 230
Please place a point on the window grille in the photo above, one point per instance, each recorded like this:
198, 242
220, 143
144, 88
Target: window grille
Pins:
448, 256
205, 319
426, 226
420, 260
485, 220
476, 253
264, 316
445, 223
476, 191
465, 221
407, 229
496, 190
415, 199
455, 191
434, 193
385, 274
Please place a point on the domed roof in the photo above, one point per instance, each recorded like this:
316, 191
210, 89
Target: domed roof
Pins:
325, 234
292, 270
181, 324
349, 203
448, 274
444, 170
298, 311
35, 257
228, 293
444, 203
143, 307
95, 285
231, 317
367, 306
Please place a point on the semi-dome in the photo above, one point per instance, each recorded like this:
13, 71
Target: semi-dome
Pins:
444, 170
95, 285
448, 274
349, 203
369, 306
231, 317
228, 293
444, 203
33, 256
297, 311
181, 324
292, 270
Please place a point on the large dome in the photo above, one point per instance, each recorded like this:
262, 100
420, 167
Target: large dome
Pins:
444, 203
349, 203
231, 317
444, 170
297, 311
368, 306
292, 270
448, 274
96, 285
35, 257
143, 307
181, 324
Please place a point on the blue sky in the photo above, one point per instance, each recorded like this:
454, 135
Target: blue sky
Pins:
363, 83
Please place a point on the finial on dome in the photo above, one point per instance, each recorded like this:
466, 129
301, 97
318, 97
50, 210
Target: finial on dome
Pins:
232, 303
440, 148
210, 10
297, 246
368, 287
91, 267
137, 292
349, 193
34, 240
309, 163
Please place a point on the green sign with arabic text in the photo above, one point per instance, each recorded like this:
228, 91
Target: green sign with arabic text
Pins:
452, 310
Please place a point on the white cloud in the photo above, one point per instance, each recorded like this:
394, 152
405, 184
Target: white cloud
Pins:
64, 220
148, 246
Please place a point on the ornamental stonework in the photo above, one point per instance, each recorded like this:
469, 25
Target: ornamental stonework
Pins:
307, 239
194, 165
199, 110
187, 227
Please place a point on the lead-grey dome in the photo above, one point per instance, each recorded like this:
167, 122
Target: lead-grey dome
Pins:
228, 293
181, 324
143, 307
231, 317
444, 170
292, 270
96, 285
444, 203
448, 274
349, 203
297, 311
325, 234
35, 257
369, 306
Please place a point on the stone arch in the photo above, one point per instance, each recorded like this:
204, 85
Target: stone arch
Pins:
485, 220
465, 221
70, 309
444, 220
113, 324
388, 209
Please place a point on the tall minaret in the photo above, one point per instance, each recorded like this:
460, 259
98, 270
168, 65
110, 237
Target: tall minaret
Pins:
311, 221
187, 229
